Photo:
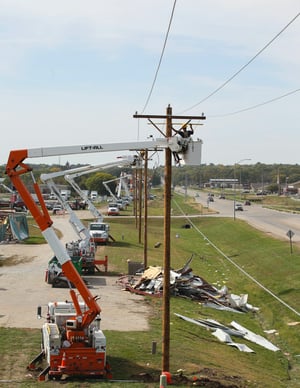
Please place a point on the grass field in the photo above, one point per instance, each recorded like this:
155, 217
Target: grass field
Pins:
246, 261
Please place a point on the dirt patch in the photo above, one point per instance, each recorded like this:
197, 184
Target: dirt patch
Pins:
14, 260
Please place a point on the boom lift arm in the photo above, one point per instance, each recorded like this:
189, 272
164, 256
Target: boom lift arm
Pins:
91, 207
121, 184
105, 184
76, 223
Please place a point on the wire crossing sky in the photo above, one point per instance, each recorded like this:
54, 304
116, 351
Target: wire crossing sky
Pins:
160, 59
246, 64
258, 105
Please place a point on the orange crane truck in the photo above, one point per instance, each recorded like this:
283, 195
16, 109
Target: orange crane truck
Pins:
72, 341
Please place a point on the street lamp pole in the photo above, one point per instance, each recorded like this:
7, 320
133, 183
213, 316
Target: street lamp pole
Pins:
234, 191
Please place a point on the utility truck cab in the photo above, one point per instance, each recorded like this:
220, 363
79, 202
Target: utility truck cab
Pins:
63, 326
99, 232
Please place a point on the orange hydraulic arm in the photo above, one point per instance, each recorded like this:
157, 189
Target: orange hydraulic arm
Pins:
14, 169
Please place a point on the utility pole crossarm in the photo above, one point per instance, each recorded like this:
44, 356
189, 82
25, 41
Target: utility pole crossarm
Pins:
176, 117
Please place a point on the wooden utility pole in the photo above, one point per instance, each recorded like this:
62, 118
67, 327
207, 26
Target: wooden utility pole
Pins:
167, 229
135, 197
140, 194
167, 247
146, 209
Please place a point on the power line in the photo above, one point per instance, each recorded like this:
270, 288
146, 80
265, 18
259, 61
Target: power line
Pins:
247, 64
161, 57
257, 105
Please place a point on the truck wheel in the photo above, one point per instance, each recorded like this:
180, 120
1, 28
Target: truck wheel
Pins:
91, 270
59, 283
49, 277
42, 342
56, 377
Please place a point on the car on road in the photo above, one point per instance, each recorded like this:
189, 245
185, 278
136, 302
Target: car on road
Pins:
261, 192
239, 207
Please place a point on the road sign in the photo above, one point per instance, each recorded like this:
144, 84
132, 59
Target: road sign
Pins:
290, 234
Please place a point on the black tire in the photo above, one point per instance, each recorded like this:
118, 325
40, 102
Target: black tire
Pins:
59, 282
91, 270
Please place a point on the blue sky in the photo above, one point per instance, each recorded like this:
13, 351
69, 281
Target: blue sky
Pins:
74, 72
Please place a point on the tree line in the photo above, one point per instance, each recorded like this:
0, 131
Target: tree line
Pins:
247, 174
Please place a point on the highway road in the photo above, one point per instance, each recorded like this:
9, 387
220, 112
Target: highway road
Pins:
274, 222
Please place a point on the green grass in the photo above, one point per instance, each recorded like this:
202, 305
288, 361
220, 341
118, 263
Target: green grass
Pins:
193, 348
266, 259
35, 236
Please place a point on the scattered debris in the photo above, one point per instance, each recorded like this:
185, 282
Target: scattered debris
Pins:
271, 331
184, 283
294, 323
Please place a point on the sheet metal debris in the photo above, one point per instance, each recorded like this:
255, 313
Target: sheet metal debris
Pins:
184, 283
258, 339
224, 333
224, 337
211, 325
